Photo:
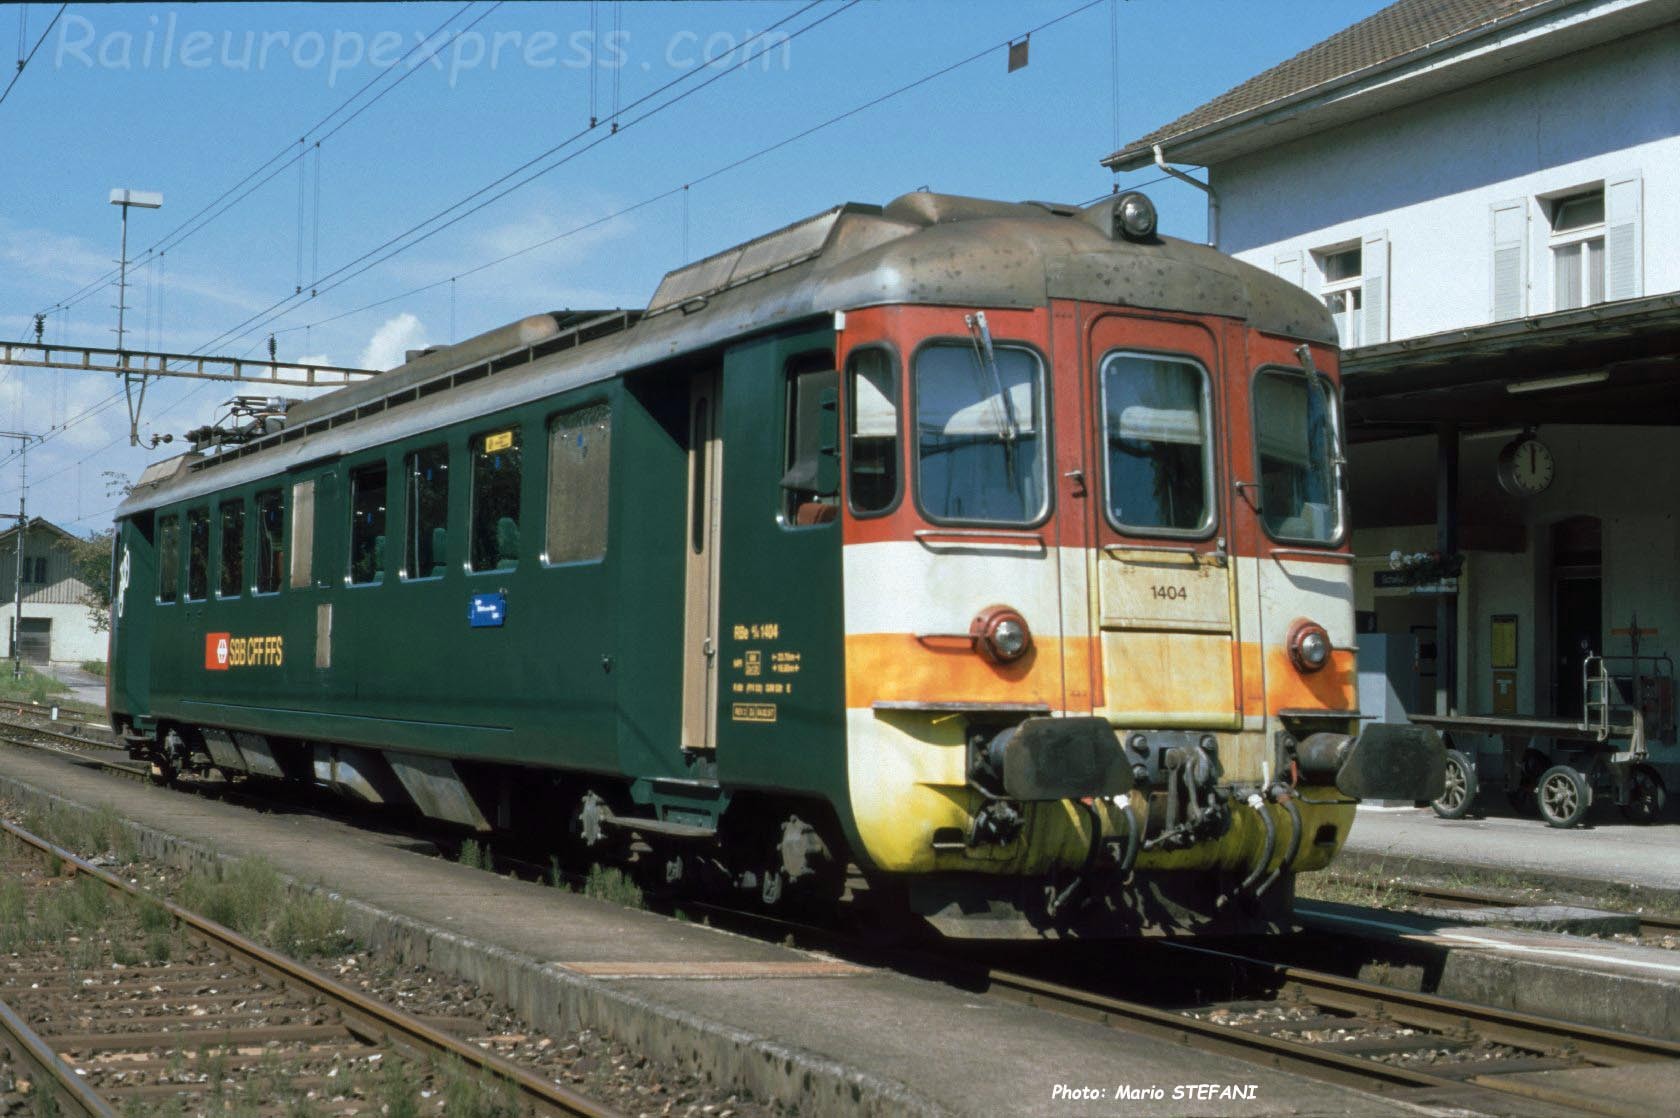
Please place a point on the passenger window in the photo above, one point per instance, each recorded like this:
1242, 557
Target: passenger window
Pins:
811, 459
303, 533
980, 446
1159, 444
271, 541
367, 524
169, 558
198, 554
872, 447
233, 550
579, 453
495, 500
426, 542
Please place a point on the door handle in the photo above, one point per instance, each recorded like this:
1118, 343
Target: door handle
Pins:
707, 649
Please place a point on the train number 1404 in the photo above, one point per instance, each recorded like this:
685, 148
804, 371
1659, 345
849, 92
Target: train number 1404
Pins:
1168, 593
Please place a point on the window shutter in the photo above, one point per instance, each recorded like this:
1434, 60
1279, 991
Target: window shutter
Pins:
1624, 271
1287, 265
1509, 222
1373, 262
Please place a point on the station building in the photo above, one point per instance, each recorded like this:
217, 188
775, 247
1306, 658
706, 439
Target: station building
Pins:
1486, 193
57, 624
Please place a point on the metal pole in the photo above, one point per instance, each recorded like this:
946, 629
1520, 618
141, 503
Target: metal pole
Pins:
1446, 545
23, 528
122, 278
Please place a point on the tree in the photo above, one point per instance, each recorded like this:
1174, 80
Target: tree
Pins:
91, 560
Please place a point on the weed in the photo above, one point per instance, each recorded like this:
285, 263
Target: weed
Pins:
611, 884
474, 856
46, 1104
94, 667
467, 1096
253, 900
310, 926
153, 916
397, 1092
158, 947
554, 877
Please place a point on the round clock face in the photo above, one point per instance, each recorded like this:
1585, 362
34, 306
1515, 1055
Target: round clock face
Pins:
1525, 467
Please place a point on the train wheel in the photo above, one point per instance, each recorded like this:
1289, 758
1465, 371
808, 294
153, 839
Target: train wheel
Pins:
1564, 796
1459, 795
162, 773
1646, 797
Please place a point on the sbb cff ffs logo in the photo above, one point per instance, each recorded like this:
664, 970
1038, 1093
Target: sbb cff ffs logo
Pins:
216, 651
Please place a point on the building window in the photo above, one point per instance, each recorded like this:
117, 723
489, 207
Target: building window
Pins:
495, 500
579, 451
198, 554
271, 541
1577, 243
426, 542
233, 549
1343, 290
34, 571
367, 524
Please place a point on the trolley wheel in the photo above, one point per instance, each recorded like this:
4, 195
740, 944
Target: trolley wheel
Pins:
1459, 795
1646, 797
1564, 796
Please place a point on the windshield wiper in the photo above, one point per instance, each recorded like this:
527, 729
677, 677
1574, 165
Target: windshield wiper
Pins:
980, 334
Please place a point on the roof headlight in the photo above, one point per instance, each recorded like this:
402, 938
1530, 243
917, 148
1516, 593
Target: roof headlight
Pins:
1134, 217
1000, 634
1309, 646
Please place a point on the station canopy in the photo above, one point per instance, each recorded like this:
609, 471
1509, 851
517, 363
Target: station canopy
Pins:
1611, 363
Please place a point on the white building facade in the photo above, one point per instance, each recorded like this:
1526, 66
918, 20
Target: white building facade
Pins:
1486, 194
57, 624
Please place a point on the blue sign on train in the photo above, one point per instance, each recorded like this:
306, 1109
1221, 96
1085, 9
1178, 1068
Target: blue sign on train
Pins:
487, 611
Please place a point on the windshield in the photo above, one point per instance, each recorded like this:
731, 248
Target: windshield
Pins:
1295, 428
980, 449
1156, 419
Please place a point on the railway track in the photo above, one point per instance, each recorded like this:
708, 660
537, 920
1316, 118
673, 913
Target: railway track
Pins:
1418, 1047
217, 1020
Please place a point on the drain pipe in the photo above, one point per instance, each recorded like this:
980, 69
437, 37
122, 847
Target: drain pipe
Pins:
1213, 199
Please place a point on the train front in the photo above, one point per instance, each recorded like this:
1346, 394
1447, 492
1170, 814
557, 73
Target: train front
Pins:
1100, 649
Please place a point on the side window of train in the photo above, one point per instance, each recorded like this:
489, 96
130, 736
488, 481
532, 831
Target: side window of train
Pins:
367, 524
169, 558
271, 541
1158, 434
198, 554
872, 435
811, 459
426, 504
579, 453
981, 450
303, 533
495, 500
232, 582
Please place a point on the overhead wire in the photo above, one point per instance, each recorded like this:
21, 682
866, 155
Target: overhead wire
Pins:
186, 228
24, 61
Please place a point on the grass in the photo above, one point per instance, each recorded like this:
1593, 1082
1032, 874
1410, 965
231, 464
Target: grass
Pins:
83, 831
1385, 887
94, 667
31, 687
477, 1096
477, 857
251, 898
611, 884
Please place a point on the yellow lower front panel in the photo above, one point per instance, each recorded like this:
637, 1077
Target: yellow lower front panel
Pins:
908, 782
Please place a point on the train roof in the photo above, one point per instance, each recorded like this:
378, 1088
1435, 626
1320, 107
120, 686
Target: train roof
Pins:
921, 248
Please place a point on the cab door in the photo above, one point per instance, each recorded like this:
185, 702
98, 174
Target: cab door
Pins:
1165, 594
701, 551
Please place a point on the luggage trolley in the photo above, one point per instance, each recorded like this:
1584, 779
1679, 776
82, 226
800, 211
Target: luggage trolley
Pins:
1624, 699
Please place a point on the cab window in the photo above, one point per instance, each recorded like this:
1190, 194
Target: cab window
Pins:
495, 500
1159, 442
1296, 433
872, 430
980, 440
367, 524
169, 558
811, 453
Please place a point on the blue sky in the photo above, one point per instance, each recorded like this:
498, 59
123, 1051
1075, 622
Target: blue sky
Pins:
188, 100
